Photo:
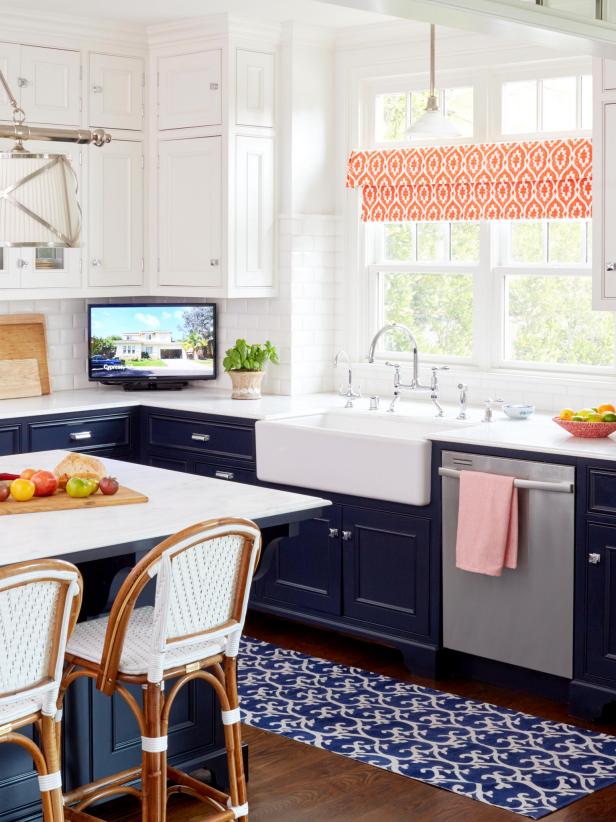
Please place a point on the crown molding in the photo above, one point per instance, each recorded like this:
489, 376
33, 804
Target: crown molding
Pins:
69, 30
212, 26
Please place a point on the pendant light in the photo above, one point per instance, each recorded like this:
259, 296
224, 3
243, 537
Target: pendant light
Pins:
38, 191
432, 123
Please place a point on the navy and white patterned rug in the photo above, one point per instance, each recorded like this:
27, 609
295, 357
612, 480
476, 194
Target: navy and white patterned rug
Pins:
512, 760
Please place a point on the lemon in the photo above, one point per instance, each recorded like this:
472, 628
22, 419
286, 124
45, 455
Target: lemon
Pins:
608, 416
567, 413
585, 413
594, 418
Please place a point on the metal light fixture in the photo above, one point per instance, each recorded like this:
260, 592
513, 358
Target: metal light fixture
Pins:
432, 123
38, 192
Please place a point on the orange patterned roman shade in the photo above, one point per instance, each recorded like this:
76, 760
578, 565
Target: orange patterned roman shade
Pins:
531, 180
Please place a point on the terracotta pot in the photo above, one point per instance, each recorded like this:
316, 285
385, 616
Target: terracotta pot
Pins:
246, 385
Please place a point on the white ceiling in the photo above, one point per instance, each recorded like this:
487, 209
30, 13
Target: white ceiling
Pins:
149, 12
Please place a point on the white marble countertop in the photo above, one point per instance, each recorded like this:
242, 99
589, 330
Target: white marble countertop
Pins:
196, 400
538, 433
176, 501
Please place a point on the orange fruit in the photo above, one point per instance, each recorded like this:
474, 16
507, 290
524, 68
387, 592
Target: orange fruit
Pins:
606, 407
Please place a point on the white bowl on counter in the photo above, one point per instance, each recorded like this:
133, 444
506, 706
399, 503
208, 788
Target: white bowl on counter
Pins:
518, 411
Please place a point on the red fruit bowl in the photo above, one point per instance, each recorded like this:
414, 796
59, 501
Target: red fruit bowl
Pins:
586, 430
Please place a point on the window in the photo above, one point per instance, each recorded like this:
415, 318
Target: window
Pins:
511, 294
396, 112
425, 274
550, 104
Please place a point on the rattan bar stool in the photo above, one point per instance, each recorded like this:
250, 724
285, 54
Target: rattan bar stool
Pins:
39, 605
203, 576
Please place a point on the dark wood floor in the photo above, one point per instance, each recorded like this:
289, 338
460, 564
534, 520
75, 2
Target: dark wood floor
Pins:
291, 782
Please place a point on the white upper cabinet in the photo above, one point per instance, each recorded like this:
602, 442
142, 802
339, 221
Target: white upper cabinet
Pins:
190, 212
115, 214
255, 88
115, 96
609, 75
10, 55
604, 187
189, 90
254, 210
49, 81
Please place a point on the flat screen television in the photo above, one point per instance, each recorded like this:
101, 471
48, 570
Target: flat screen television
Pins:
150, 345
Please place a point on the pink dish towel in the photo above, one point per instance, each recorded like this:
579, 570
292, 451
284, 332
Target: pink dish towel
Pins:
487, 539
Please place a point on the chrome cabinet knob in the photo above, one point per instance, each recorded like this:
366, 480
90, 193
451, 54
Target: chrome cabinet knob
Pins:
347, 535
594, 559
22, 82
610, 267
21, 263
97, 89
334, 533
96, 262
214, 261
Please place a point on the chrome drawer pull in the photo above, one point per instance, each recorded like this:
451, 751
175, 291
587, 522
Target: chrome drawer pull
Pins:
226, 475
528, 485
80, 435
200, 437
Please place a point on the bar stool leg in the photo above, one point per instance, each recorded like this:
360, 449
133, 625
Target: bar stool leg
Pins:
237, 778
154, 780
49, 744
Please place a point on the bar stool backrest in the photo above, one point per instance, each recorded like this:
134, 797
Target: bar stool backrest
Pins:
203, 578
39, 606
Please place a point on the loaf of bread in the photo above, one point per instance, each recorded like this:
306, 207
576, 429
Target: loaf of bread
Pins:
80, 465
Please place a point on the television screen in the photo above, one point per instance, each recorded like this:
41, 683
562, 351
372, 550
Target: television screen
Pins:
152, 342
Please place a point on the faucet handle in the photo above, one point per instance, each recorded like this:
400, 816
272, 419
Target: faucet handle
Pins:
440, 368
393, 364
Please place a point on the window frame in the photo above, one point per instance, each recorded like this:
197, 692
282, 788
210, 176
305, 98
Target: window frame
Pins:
491, 271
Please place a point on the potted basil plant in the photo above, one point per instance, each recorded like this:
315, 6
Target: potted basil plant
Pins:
245, 365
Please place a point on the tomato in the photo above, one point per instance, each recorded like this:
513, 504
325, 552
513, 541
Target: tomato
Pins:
4, 491
79, 487
45, 483
109, 485
22, 490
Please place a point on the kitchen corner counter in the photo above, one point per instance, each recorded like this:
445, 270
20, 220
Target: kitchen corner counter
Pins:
193, 400
538, 434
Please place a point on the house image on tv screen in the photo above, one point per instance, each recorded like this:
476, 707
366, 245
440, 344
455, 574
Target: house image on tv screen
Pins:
154, 345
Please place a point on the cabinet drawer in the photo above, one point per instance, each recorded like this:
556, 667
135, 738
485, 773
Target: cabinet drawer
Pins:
83, 434
601, 491
211, 438
9, 439
225, 472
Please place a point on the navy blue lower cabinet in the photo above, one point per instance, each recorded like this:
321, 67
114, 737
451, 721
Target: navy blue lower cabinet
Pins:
170, 463
305, 570
386, 569
10, 439
19, 791
194, 730
601, 602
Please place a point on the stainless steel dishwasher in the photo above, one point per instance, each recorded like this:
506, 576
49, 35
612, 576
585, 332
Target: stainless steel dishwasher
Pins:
525, 616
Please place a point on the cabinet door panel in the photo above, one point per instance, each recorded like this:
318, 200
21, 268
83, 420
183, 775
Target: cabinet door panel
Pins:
116, 92
9, 439
9, 65
189, 90
386, 569
305, 571
609, 75
255, 88
189, 208
116, 214
255, 212
167, 462
601, 602
51, 93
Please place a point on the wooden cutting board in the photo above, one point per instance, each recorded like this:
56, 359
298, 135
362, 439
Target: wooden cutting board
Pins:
19, 378
23, 336
60, 501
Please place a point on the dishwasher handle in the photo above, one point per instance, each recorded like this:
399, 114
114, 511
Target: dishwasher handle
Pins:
529, 485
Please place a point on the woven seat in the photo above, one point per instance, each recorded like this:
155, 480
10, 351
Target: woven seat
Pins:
203, 576
88, 642
39, 605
